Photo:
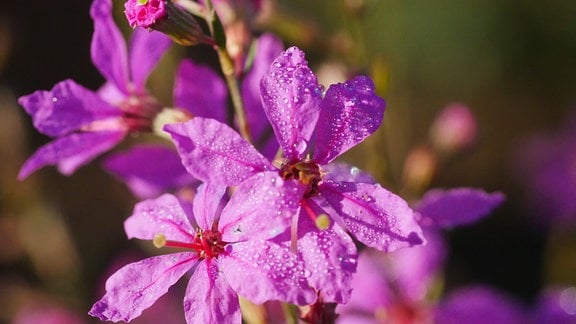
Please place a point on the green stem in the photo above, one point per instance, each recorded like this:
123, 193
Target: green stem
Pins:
233, 87
227, 67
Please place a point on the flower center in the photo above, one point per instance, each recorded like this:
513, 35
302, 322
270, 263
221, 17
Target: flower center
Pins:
307, 172
139, 112
207, 243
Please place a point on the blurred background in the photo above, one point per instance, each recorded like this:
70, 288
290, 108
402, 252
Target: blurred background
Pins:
513, 63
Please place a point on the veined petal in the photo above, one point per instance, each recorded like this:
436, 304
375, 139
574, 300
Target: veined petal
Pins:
70, 152
263, 270
199, 90
146, 49
268, 47
108, 47
213, 152
65, 108
291, 97
162, 215
261, 208
209, 298
162, 171
375, 216
136, 286
331, 257
460, 206
206, 203
350, 112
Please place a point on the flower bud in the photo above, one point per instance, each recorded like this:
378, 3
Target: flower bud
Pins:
453, 129
168, 18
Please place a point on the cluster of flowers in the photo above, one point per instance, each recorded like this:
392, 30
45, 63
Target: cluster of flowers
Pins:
254, 202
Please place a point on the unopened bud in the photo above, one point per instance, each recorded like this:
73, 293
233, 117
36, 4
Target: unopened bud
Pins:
454, 129
168, 116
419, 169
168, 18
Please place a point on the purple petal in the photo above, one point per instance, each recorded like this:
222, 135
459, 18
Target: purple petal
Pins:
200, 91
146, 49
263, 270
65, 108
331, 256
291, 97
268, 47
149, 170
338, 172
479, 305
136, 286
70, 152
371, 273
415, 269
375, 216
262, 207
206, 204
350, 113
162, 215
461, 206
209, 298
213, 152
108, 48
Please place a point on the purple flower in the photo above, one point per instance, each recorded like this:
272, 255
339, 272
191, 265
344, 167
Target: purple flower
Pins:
161, 172
85, 123
545, 165
228, 253
406, 277
312, 131
144, 13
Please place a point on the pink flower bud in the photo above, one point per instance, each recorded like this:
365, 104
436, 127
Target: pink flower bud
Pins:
454, 129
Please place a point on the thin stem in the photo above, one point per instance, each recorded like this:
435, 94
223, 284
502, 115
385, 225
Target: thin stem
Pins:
233, 87
227, 67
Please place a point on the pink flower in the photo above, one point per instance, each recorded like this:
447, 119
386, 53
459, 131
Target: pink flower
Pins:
312, 130
228, 253
144, 13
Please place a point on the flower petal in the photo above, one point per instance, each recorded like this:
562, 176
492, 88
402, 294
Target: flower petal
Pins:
268, 47
460, 206
365, 300
263, 270
108, 47
65, 108
136, 286
262, 207
199, 90
71, 152
213, 152
479, 304
146, 49
291, 97
375, 216
331, 257
206, 203
162, 215
350, 112
209, 298
162, 171
338, 172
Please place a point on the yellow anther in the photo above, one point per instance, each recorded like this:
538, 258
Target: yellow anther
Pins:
159, 240
322, 222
